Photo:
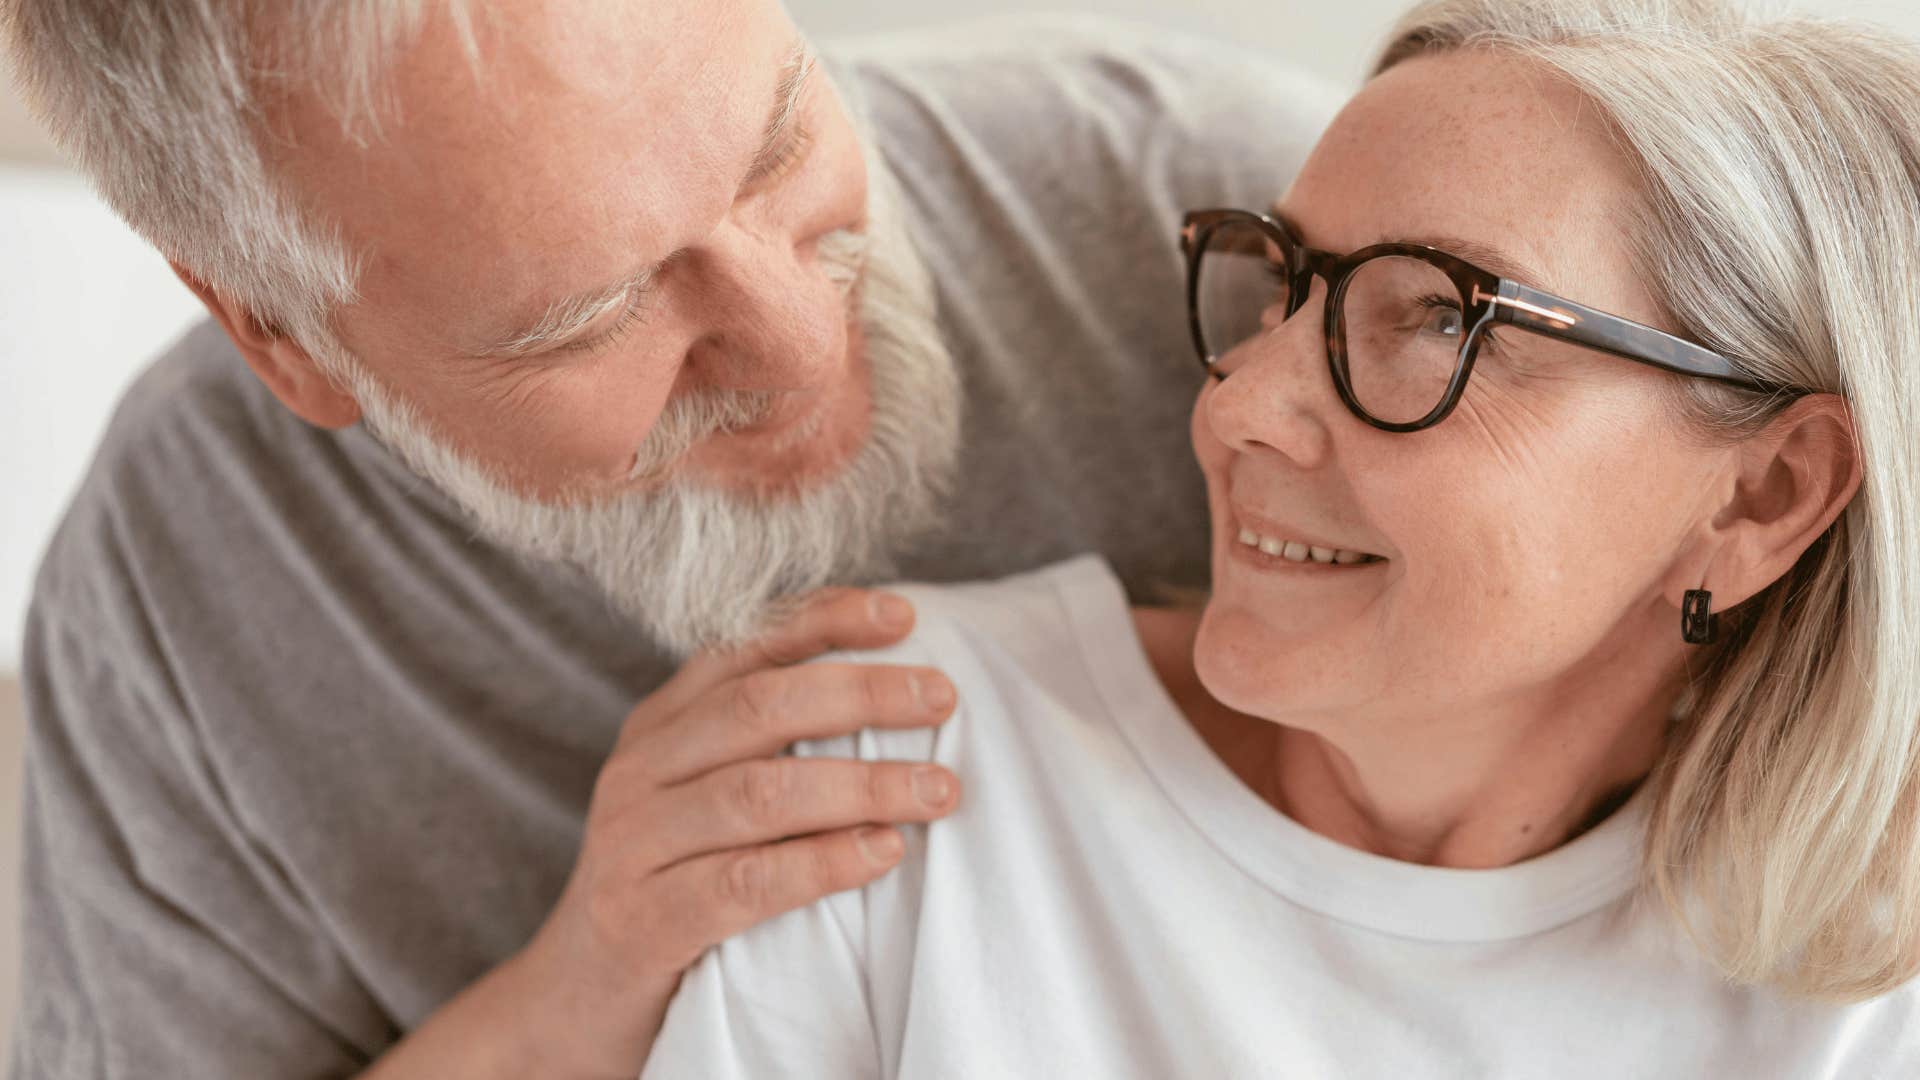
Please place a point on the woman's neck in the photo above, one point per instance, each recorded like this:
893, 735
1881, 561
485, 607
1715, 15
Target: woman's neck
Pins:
1515, 780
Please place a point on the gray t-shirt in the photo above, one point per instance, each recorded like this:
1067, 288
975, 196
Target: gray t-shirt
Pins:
306, 757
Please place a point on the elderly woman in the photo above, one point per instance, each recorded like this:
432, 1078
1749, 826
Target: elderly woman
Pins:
1555, 708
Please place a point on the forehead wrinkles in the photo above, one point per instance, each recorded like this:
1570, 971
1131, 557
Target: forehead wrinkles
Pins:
1483, 145
561, 169
452, 84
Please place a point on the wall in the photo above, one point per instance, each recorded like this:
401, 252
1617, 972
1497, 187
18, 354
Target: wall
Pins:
1335, 39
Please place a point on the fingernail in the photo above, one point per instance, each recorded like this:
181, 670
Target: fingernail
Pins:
880, 845
934, 691
932, 787
890, 612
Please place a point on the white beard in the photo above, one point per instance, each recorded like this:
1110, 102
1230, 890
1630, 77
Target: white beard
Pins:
701, 566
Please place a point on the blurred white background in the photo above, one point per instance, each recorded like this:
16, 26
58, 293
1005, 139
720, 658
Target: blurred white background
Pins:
84, 304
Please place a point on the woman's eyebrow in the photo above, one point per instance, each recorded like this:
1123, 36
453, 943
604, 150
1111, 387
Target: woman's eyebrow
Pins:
1486, 256
1483, 255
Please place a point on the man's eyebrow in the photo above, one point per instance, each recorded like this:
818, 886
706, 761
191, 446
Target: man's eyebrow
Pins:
567, 317
786, 105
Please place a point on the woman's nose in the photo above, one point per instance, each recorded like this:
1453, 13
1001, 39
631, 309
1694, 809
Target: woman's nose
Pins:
777, 322
1277, 395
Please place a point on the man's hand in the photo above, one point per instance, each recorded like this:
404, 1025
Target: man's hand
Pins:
696, 832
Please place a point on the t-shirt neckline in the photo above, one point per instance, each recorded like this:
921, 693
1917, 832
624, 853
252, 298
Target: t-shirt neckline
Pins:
1439, 904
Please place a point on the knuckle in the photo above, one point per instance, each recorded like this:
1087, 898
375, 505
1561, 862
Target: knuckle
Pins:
785, 645
745, 882
761, 793
757, 699
881, 689
880, 786
801, 632
775, 650
822, 868
834, 599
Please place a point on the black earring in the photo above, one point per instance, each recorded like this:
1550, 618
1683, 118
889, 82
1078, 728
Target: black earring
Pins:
1698, 624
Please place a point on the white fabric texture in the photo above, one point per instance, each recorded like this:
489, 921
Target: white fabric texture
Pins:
1111, 901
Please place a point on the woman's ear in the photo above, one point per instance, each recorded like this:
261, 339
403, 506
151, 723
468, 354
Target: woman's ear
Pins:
1795, 477
287, 369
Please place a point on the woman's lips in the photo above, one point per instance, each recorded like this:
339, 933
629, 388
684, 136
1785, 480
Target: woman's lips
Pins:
1294, 551
1278, 541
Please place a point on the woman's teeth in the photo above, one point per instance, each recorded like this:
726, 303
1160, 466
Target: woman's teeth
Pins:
1295, 551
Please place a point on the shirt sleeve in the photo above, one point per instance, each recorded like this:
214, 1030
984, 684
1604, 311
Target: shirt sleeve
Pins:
159, 939
787, 998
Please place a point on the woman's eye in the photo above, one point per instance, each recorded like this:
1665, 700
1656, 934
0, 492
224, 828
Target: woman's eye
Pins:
1443, 316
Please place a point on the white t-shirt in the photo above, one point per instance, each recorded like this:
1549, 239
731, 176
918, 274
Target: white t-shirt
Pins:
1111, 901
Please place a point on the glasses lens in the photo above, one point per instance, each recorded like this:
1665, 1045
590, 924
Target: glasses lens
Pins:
1243, 279
1403, 324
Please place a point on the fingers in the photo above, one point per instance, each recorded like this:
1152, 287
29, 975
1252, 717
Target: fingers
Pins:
760, 801
764, 712
714, 897
827, 620
695, 833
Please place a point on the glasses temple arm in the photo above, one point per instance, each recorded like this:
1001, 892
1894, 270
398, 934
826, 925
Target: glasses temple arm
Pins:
1555, 316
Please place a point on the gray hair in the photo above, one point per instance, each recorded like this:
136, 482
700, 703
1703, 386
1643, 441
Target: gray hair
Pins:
163, 103
1779, 223
698, 566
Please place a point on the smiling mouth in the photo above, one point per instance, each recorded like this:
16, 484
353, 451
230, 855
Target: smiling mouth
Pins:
1295, 551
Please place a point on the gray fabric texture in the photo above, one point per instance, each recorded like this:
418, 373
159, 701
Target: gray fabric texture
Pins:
306, 757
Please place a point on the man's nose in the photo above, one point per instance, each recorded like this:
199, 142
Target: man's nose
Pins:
772, 319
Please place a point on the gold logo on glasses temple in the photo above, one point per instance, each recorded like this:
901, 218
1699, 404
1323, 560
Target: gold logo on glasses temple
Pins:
1560, 317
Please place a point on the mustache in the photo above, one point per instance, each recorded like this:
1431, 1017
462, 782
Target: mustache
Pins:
693, 417
700, 415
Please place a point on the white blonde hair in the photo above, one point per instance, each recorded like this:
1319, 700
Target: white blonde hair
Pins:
1779, 223
163, 104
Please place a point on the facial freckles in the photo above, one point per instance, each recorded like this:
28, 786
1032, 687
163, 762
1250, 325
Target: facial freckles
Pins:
590, 142
1526, 535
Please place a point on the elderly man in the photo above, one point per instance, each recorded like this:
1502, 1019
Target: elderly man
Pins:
330, 767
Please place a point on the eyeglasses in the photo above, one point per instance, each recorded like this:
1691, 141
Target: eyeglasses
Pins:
1403, 321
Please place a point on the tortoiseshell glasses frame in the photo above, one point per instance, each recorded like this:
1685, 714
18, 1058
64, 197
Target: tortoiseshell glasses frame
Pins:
1486, 300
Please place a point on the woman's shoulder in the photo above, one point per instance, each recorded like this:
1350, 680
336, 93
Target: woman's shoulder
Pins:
1008, 645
